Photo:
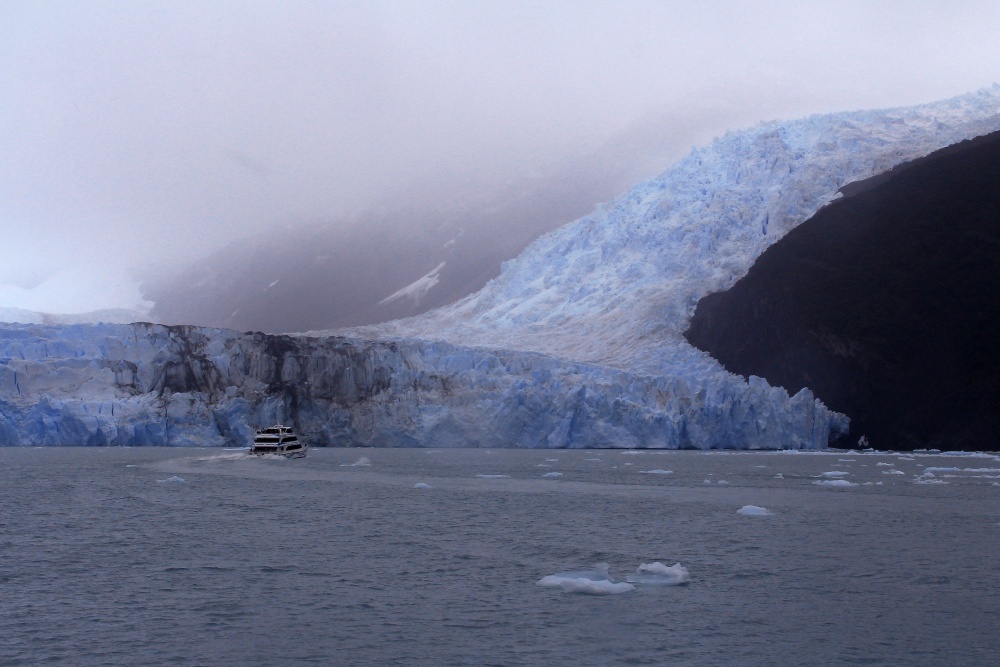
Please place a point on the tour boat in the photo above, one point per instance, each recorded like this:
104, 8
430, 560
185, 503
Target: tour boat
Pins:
278, 440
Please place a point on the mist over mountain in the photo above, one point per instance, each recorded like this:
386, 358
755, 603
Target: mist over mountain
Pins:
404, 260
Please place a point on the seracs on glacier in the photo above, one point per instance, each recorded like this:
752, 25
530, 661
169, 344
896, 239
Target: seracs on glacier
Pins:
578, 342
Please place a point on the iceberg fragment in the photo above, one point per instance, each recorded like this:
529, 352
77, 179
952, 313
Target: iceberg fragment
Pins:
658, 574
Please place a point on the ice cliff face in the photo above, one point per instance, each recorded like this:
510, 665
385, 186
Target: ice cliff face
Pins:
578, 343
146, 384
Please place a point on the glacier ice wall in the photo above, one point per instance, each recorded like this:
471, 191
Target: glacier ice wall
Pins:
578, 343
145, 384
619, 287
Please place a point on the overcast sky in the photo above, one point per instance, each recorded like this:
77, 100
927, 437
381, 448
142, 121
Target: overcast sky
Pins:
138, 133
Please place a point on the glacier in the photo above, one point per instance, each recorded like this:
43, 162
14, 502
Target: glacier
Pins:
577, 343
148, 384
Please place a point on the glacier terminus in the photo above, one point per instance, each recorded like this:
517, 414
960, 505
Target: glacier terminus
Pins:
577, 343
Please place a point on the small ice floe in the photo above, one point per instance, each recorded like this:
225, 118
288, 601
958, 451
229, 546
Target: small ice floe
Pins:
883, 463
835, 473
542, 465
552, 475
592, 459
753, 510
131, 465
928, 478
588, 582
846, 460
363, 461
493, 476
630, 464
906, 458
658, 574
656, 471
421, 485
551, 460
172, 480
973, 472
893, 472
632, 452
779, 476
834, 482
722, 481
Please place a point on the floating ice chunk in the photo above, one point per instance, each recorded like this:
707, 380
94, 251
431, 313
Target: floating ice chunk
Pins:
836, 473
493, 476
779, 476
363, 461
753, 510
656, 471
551, 460
632, 452
592, 459
834, 482
722, 481
883, 463
552, 475
421, 485
591, 587
929, 481
172, 480
893, 472
131, 465
589, 582
847, 460
658, 574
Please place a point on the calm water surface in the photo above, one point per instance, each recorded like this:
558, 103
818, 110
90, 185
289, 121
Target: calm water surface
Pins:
106, 558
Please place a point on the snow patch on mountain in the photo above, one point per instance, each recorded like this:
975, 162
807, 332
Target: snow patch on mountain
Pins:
418, 288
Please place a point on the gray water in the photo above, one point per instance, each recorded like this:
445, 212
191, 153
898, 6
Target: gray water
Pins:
107, 558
